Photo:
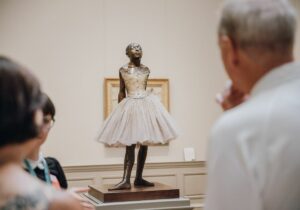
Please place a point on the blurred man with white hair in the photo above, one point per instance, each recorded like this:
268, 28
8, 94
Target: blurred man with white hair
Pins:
254, 153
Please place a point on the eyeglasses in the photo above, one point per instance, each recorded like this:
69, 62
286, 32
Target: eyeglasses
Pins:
48, 122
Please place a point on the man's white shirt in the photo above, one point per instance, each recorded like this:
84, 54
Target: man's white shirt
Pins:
254, 152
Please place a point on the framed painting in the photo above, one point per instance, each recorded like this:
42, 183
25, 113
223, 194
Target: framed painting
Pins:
159, 87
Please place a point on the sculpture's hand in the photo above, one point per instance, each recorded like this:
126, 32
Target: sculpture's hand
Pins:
230, 97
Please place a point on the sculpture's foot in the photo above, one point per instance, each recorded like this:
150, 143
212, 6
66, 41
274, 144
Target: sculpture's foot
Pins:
123, 185
143, 183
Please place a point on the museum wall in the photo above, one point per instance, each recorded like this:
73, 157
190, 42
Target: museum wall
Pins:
297, 48
72, 45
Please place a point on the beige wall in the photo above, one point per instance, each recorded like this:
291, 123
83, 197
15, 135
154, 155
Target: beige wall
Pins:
73, 44
297, 48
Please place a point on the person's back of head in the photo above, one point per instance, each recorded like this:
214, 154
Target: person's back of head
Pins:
20, 99
256, 36
21, 103
266, 26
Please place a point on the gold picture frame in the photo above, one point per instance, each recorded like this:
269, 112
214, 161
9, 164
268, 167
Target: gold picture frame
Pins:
159, 87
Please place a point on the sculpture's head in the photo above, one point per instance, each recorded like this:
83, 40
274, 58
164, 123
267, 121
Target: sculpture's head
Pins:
134, 50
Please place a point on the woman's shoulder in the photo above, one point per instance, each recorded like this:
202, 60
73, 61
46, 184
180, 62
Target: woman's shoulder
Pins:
14, 194
13, 179
34, 195
57, 170
33, 200
52, 161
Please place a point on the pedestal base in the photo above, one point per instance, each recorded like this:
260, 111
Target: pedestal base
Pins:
159, 191
161, 204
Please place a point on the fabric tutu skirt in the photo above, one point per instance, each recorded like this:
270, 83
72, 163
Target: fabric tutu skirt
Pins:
138, 121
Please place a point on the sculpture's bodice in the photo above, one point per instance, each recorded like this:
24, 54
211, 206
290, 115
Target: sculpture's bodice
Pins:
135, 81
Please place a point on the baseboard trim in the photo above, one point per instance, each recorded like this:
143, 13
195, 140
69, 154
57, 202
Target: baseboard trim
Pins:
116, 167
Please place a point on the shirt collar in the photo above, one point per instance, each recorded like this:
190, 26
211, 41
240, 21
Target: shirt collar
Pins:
277, 76
37, 163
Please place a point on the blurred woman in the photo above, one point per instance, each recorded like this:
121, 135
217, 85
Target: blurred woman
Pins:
47, 169
21, 119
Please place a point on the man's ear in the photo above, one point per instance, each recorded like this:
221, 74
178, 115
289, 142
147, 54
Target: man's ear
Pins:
229, 51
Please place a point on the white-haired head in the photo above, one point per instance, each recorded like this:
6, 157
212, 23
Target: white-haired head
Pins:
265, 25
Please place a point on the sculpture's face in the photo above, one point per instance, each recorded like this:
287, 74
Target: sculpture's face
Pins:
135, 51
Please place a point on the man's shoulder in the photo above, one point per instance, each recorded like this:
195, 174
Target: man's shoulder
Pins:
243, 112
242, 117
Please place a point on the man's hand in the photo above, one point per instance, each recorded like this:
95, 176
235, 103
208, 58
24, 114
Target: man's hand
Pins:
230, 97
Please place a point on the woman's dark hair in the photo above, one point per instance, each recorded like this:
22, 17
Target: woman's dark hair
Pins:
20, 98
48, 107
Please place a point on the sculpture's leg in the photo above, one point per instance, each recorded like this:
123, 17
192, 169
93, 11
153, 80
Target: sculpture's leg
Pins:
128, 164
139, 181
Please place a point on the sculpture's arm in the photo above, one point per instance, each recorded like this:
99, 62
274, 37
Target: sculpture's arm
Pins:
122, 91
148, 70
